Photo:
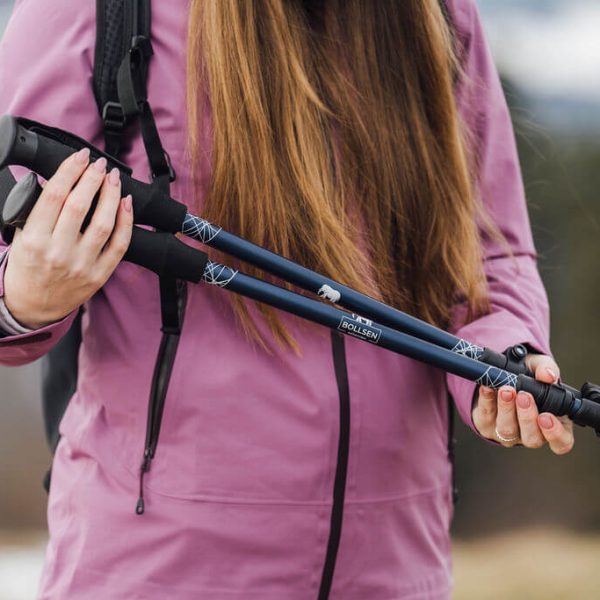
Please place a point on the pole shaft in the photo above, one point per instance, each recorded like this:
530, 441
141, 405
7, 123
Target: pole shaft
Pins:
356, 326
304, 278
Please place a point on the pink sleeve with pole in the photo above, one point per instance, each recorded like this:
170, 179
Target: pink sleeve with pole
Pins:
519, 306
46, 57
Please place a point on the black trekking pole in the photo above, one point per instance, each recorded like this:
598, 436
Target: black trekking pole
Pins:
415, 340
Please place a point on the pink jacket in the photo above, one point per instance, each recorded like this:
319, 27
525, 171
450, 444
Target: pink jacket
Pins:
239, 500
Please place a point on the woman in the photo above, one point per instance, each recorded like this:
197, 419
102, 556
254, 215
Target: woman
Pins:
351, 117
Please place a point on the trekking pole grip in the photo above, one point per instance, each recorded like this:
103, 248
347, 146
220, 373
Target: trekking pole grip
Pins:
43, 155
165, 255
160, 252
561, 400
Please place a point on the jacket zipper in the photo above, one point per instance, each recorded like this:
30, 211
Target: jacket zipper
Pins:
341, 470
165, 360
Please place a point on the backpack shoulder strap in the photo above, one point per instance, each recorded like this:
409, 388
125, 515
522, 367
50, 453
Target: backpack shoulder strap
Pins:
109, 52
122, 53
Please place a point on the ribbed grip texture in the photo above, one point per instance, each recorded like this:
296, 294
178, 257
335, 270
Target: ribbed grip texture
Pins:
110, 48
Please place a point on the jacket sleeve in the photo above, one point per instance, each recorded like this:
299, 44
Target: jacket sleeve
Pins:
519, 306
46, 63
8, 324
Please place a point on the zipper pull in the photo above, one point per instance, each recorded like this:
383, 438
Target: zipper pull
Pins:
140, 507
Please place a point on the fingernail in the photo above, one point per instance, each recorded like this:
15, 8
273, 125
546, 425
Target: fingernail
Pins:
486, 391
523, 400
551, 373
127, 203
82, 156
114, 176
100, 164
546, 421
506, 395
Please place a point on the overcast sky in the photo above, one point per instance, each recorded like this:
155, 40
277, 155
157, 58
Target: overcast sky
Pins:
550, 47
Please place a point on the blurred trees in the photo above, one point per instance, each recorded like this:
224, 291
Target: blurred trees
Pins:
502, 489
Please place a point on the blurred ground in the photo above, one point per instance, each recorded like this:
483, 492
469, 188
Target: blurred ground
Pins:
528, 565
532, 564
21, 558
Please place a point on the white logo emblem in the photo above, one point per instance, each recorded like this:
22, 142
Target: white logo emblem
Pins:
329, 293
362, 320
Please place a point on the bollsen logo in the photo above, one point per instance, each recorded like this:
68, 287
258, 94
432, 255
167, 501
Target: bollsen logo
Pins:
361, 328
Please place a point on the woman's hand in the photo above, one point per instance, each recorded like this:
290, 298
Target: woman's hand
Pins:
53, 268
513, 419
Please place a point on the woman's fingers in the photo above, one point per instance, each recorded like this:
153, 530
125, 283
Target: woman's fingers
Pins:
544, 368
44, 215
558, 433
485, 411
118, 243
513, 419
103, 222
77, 205
527, 414
507, 424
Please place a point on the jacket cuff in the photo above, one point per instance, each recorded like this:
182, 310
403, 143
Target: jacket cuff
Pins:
8, 324
498, 331
18, 348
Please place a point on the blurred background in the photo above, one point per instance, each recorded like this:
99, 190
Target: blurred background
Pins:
527, 525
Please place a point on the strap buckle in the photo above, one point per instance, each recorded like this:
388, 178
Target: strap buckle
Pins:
170, 169
141, 45
113, 117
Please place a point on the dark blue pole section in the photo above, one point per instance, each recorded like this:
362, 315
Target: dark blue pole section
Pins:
356, 326
268, 261
557, 399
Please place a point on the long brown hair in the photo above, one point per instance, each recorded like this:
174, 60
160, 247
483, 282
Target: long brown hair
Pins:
337, 143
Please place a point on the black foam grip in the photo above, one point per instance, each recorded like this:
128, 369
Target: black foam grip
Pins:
160, 252
164, 254
562, 400
42, 154
21, 200
552, 398
151, 206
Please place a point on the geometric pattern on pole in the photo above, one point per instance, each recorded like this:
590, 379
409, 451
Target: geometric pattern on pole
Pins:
496, 378
468, 349
218, 274
199, 229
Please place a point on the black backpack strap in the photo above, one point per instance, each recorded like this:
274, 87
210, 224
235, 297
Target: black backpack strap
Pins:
120, 85
109, 52
123, 51
122, 54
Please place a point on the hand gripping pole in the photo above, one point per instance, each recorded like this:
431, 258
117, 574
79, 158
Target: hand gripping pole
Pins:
160, 252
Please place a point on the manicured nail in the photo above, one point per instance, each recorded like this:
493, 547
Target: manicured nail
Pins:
82, 156
546, 422
100, 164
114, 176
551, 373
523, 400
506, 395
127, 203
